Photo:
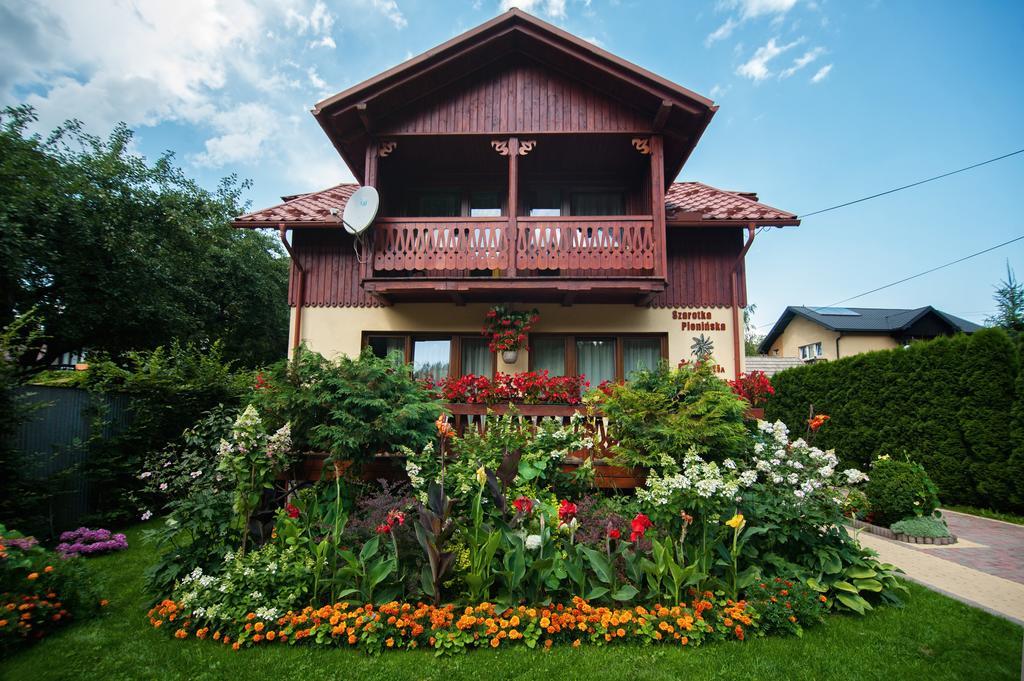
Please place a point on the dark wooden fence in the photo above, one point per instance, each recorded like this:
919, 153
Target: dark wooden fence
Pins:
53, 442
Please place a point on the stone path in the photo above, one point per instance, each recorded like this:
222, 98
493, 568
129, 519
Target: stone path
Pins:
985, 568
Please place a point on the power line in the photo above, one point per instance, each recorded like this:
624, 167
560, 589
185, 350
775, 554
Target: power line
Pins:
921, 274
913, 184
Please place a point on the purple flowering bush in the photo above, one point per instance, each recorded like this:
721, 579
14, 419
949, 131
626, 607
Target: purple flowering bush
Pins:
86, 542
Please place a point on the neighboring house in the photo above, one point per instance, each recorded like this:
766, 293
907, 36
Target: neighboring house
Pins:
519, 164
816, 333
771, 365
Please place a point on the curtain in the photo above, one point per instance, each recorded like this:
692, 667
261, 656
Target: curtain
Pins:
431, 358
640, 353
595, 359
549, 354
476, 357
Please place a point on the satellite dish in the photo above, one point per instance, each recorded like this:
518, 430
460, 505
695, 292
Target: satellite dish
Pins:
360, 210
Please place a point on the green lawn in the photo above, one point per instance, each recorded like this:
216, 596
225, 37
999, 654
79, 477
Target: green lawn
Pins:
932, 638
986, 513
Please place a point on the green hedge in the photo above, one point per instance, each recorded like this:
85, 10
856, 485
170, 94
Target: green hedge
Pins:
952, 404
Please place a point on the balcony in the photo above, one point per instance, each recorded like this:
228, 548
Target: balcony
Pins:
545, 259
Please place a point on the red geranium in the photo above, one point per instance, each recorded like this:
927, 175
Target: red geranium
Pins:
292, 510
507, 329
528, 387
754, 387
566, 511
639, 525
523, 505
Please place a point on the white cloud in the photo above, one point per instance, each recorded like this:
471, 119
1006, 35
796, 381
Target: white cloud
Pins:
391, 11
722, 32
757, 67
326, 41
822, 73
554, 9
318, 22
750, 9
802, 61
314, 78
717, 91
244, 131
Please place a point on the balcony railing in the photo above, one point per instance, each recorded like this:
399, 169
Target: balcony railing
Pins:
572, 247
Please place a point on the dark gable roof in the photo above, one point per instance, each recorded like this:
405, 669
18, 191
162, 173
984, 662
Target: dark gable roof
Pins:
865, 320
686, 204
348, 116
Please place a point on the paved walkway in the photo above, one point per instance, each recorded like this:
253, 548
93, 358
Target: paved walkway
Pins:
984, 568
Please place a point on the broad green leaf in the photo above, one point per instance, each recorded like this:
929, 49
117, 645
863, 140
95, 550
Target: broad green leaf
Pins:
625, 593
868, 584
852, 602
859, 572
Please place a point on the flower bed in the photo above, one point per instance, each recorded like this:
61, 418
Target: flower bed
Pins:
530, 387
452, 629
898, 536
86, 542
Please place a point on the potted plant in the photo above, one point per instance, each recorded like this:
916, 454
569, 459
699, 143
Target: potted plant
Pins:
507, 330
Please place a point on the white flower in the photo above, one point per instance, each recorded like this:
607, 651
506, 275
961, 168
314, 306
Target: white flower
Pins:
792, 478
748, 478
730, 464
163, 486
145, 475
758, 447
853, 476
195, 474
147, 515
533, 542
799, 494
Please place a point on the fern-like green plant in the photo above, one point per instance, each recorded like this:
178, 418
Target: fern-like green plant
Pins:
659, 415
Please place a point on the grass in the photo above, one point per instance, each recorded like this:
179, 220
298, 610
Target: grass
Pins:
932, 638
987, 513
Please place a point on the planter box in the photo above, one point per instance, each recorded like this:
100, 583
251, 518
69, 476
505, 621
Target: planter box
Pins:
889, 534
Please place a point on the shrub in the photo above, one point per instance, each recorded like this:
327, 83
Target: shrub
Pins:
899, 489
353, 409
86, 542
925, 526
39, 591
666, 412
948, 400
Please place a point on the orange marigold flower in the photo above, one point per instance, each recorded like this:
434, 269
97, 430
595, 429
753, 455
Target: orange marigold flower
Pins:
576, 643
235, 645
258, 626
495, 642
104, 603
32, 576
48, 568
271, 635
547, 644
390, 642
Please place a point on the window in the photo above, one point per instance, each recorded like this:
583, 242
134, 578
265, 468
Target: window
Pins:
484, 204
812, 351
599, 358
437, 204
436, 355
544, 202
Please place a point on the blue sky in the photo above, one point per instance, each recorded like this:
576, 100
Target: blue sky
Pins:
821, 102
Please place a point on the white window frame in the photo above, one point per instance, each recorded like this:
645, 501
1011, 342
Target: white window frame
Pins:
810, 351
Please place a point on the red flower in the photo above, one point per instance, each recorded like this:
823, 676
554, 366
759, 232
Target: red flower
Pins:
817, 422
566, 511
261, 383
396, 517
292, 510
639, 526
754, 387
613, 533
383, 528
523, 505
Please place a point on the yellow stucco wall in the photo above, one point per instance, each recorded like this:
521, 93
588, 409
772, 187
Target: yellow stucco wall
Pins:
332, 331
801, 331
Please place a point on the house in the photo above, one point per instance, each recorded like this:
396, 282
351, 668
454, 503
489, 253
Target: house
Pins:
522, 165
816, 333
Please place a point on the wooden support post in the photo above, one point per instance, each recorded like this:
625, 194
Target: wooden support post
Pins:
658, 205
513, 204
370, 179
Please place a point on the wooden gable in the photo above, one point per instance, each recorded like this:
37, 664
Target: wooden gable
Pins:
518, 97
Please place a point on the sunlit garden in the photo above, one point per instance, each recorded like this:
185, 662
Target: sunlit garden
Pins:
490, 545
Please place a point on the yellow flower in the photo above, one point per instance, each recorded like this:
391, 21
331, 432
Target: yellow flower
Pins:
481, 476
736, 522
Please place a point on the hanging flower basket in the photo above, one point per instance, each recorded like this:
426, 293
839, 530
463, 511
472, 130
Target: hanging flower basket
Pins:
509, 356
507, 330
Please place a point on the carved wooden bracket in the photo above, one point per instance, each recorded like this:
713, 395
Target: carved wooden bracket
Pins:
642, 144
385, 148
526, 146
500, 146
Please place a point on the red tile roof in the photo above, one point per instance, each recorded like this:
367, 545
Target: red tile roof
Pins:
685, 203
696, 201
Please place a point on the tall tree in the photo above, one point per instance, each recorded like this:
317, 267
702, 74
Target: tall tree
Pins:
118, 254
1009, 297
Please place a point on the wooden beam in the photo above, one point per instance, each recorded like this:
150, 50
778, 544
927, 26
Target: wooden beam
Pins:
364, 116
568, 299
662, 116
658, 204
513, 202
